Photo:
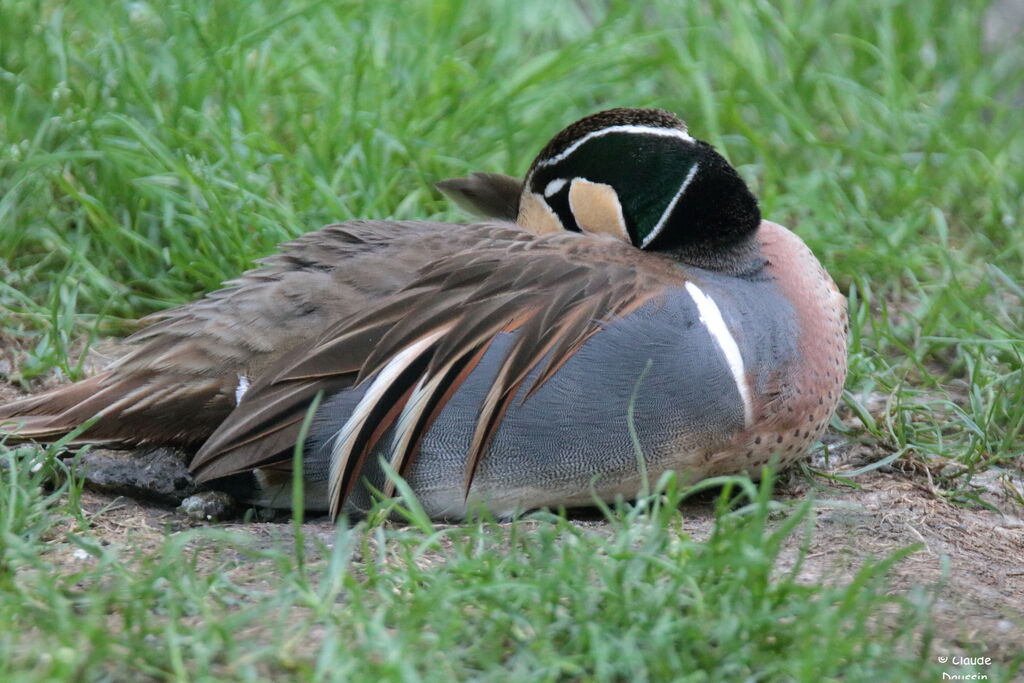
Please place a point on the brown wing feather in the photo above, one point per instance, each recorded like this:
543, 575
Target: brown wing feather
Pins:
263, 429
553, 292
179, 382
444, 386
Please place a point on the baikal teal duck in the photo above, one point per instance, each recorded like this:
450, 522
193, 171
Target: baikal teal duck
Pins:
625, 298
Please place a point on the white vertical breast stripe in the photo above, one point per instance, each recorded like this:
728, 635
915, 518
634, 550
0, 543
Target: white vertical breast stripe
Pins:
712, 319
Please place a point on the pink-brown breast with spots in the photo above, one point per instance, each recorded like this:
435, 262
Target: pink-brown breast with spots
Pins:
804, 394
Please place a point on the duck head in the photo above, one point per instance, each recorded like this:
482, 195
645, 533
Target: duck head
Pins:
635, 174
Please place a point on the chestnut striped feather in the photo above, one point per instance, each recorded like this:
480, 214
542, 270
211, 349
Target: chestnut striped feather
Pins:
550, 292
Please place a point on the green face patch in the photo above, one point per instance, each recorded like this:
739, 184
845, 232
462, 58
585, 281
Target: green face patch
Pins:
647, 170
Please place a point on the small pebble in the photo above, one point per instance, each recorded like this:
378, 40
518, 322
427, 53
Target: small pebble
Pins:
208, 506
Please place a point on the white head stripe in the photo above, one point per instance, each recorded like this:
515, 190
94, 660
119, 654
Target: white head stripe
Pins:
554, 186
646, 130
660, 225
719, 331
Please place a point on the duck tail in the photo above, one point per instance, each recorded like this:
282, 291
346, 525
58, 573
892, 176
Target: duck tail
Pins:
52, 414
130, 409
486, 195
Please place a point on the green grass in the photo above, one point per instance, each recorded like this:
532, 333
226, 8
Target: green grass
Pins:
542, 599
149, 151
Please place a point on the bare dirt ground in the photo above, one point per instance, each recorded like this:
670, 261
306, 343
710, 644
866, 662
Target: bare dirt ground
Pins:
973, 556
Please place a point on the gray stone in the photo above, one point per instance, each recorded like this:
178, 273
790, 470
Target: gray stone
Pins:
208, 506
159, 475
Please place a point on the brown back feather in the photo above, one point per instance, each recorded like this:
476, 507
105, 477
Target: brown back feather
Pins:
179, 382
